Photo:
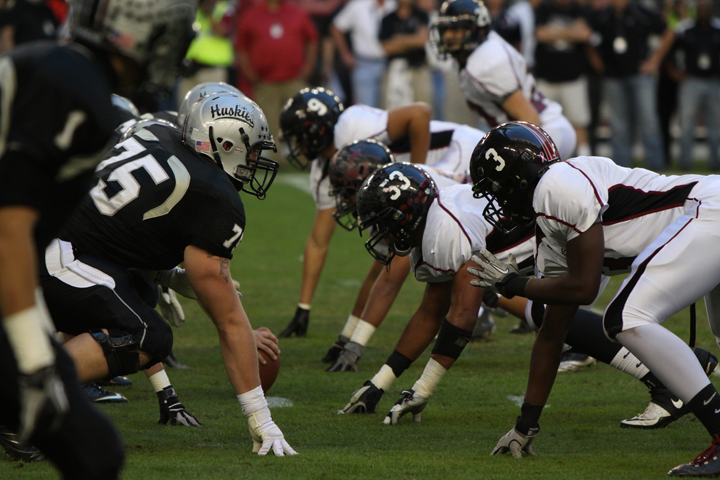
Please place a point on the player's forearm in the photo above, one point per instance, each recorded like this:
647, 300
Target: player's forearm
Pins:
546, 353
239, 351
562, 290
419, 132
18, 263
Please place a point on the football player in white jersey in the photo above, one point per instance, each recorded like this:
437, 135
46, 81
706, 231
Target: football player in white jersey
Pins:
315, 125
494, 77
595, 217
347, 170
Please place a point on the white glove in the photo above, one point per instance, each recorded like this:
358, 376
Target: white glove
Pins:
266, 434
492, 273
410, 402
516, 443
170, 308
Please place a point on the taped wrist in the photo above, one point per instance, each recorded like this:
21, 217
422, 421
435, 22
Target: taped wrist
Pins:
29, 339
527, 422
252, 401
513, 284
451, 340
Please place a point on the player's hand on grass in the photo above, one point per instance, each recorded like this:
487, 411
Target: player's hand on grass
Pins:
516, 443
267, 342
410, 402
364, 399
172, 411
348, 358
298, 325
42, 394
170, 307
493, 273
266, 435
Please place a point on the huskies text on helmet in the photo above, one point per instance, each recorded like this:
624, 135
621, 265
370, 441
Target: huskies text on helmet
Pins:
307, 122
347, 170
233, 131
200, 91
395, 200
505, 166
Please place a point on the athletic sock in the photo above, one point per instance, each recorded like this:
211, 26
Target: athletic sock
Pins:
706, 407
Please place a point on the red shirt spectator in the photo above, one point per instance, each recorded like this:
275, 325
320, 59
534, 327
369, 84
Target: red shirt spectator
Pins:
275, 40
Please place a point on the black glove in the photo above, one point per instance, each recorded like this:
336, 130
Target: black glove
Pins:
334, 352
171, 410
348, 358
364, 399
298, 325
42, 395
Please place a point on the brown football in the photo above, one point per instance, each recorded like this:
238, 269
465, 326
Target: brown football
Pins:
269, 371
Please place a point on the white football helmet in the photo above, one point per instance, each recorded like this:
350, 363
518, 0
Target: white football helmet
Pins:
200, 91
125, 104
233, 131
154, 33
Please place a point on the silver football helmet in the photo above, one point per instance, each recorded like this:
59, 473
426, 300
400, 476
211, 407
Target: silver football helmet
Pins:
154, 33
200, 91
233, 131
125, 104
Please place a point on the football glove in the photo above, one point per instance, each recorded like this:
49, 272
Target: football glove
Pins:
172, 411
348, 358
334, 352
516, 443
170, 307
410, 402
42, 393
492, 273
364, 399
266, 435
298, 325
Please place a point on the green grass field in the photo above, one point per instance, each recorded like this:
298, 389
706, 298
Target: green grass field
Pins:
580, 435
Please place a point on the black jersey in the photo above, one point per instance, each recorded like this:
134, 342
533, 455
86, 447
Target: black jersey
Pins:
154, 197
56, 117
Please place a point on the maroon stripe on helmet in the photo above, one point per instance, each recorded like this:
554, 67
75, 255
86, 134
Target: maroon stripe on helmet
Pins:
549, 147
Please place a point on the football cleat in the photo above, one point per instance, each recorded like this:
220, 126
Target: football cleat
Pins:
115, 382
574, 362
21, 452
334, 352
708, 361
706, 464
298, 325
521, 328
484, 327
663, 409
172, 362
98, 394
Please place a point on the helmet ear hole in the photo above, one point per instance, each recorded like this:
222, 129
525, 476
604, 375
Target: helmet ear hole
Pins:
227, 145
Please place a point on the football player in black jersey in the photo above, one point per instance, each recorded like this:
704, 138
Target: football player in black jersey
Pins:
45, 169
165, 197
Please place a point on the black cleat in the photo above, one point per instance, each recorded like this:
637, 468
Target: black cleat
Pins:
334, 352
172, 362
21, 452
706, 464
98, 394
708, 361
115, 382
521, 328
298, 325
484, 327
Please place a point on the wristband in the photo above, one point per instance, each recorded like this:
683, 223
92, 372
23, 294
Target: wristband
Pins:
513, 285
527, 422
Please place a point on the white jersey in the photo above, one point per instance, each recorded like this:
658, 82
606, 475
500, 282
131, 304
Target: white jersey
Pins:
493, 72
451, 146
455, 228
634, 206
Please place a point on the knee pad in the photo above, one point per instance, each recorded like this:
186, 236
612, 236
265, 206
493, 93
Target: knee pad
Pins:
121, 352
451, 340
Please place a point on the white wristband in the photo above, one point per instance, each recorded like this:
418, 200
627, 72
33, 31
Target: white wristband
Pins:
28, 336
252, 401
430, 379
363, 332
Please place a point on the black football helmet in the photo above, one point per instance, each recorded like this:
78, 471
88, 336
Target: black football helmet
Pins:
469, 15
307, 122
347, 170
395, 199
505, 166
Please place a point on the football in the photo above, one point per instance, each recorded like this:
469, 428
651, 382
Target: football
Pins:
269, 371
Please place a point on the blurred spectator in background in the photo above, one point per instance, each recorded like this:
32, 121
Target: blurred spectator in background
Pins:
403, 35
629, 87
562, 35
23, 21
361, 19
668, 83
322, 13
276, 48
211, 52
697, 56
